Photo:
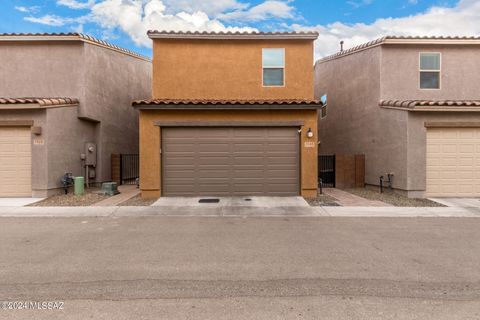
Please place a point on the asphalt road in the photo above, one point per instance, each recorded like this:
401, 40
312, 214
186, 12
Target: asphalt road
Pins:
242, 268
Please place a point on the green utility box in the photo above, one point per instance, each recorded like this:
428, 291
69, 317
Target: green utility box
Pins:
79, 185
109, 189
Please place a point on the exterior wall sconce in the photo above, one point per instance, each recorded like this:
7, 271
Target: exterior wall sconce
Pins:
309, 133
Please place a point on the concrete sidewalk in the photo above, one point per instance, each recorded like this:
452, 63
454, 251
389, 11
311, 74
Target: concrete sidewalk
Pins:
238, 211
399, 212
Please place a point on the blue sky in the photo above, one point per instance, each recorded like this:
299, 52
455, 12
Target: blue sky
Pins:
124, 22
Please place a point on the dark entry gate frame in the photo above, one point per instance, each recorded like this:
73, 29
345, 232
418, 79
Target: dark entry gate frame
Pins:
326, 171
125, 168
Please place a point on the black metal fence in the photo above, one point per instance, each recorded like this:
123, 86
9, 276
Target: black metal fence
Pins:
129, 168
326, 171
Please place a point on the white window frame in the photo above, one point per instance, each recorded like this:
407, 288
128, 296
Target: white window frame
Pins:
275, 67
425, 70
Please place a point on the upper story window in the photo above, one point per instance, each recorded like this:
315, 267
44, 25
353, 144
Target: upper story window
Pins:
273, 63
430, 66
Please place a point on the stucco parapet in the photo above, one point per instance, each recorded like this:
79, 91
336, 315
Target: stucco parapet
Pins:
72, 36
410, 40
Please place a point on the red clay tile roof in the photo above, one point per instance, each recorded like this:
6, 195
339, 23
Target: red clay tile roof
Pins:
167, 102
309, 35
67, 36
402, 39
43, 102
412, 104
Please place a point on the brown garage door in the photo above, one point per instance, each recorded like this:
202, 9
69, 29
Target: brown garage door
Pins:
230, 161
15, 162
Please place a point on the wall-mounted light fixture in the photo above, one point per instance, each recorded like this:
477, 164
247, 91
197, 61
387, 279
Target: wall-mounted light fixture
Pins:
309, 133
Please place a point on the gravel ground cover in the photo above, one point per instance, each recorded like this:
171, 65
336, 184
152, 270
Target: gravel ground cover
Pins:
70, 200
322, 200
137, 201
393, 198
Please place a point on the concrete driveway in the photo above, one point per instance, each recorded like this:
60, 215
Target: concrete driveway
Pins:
459, 202
242, 267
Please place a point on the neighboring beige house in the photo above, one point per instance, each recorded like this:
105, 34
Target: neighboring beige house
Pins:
79, 91
235, 116
412, 106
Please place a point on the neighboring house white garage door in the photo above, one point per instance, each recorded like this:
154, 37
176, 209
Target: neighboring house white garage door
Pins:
453, 162
232, 161
15, 162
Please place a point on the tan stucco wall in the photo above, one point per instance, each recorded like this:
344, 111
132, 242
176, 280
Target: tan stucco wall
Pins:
108, 97
460, 74
105, 82
228, 69
355, 124
392, 140
150, 141
400, 80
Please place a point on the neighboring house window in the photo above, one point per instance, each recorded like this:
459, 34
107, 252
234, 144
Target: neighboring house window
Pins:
430, 65
324, 100
273, 63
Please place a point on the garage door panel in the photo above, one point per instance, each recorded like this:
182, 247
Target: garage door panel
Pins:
178, 161
453, 162
234, 161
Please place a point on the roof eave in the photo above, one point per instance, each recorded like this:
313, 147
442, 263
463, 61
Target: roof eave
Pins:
226, 107
435, 109
33, 106
432, 41
311, 37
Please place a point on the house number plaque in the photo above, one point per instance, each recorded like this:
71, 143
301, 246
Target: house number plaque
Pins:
38, 142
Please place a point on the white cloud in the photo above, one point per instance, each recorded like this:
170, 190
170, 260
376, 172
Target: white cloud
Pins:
211, 8
264, 11
49, 20
58, 21
136, 17
360, 3
32, 9
463, 19
74, 4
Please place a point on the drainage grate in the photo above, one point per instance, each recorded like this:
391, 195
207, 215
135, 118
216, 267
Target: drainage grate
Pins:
209, 201
247, 199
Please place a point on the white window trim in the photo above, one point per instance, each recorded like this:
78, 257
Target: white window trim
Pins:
420, 70
277, 67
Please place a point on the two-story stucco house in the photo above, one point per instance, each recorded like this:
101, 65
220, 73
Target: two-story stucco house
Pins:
63, 96
411, 105
232, 114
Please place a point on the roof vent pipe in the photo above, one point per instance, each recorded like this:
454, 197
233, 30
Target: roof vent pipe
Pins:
341, 46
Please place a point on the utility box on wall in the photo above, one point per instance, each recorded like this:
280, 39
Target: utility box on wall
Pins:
90, 154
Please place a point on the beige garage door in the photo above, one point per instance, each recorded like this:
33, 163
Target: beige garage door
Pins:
15, 162
453, 162
230, 161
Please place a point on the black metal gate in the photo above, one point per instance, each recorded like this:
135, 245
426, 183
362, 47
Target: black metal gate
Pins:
129, 168
326, 171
